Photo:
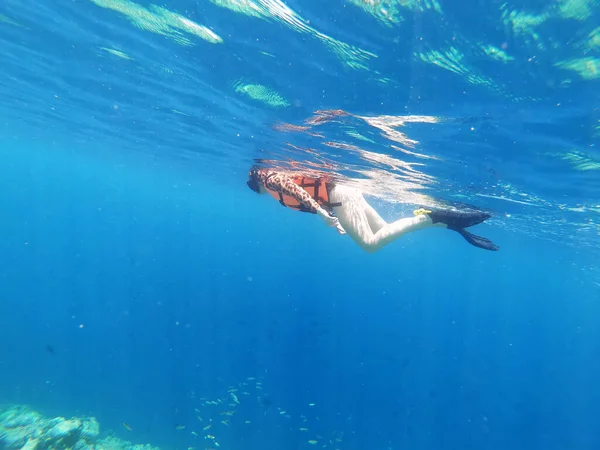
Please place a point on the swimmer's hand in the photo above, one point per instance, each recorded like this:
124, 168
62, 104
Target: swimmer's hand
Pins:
331, 220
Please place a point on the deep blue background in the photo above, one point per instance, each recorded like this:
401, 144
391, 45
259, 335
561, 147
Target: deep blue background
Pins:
139, 275
184, 285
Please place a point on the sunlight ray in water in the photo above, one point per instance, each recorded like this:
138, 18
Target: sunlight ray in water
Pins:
385, 123
388, 125
260, 93
353, 57
391, 187
8, 20
593, 40
496, 53
576, 9
525, 24
136, 137
390, 12
580, 161
452, 60
521, 23
117, 53
588, 68
408, 178
183, 24
377, 174
160, 20
470, 95
507, 199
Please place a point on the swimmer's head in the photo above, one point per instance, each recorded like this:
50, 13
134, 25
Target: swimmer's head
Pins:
254, 181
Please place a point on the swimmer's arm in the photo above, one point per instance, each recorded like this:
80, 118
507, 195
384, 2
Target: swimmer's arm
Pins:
306, 200
284, 185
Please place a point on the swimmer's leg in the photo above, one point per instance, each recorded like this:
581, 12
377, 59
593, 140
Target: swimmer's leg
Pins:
352, 214
397, 229
354, 217
376, 222
457, 220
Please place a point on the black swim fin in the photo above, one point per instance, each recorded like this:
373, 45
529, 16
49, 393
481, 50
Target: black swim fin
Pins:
477, 241
457, 220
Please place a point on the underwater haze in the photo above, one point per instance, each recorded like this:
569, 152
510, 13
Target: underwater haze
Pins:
142, 284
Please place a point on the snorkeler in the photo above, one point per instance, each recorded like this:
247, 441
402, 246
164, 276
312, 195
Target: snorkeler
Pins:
346, 209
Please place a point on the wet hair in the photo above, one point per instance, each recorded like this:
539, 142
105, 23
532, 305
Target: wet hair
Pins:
253, 180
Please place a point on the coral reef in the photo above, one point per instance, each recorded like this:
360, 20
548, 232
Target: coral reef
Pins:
22, 428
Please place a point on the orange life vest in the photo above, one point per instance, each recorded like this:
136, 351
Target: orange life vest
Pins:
317, 188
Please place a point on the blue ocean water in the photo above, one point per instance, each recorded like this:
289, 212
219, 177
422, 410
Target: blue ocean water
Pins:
142, 283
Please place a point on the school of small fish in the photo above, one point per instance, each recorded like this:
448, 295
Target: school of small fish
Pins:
216, 416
